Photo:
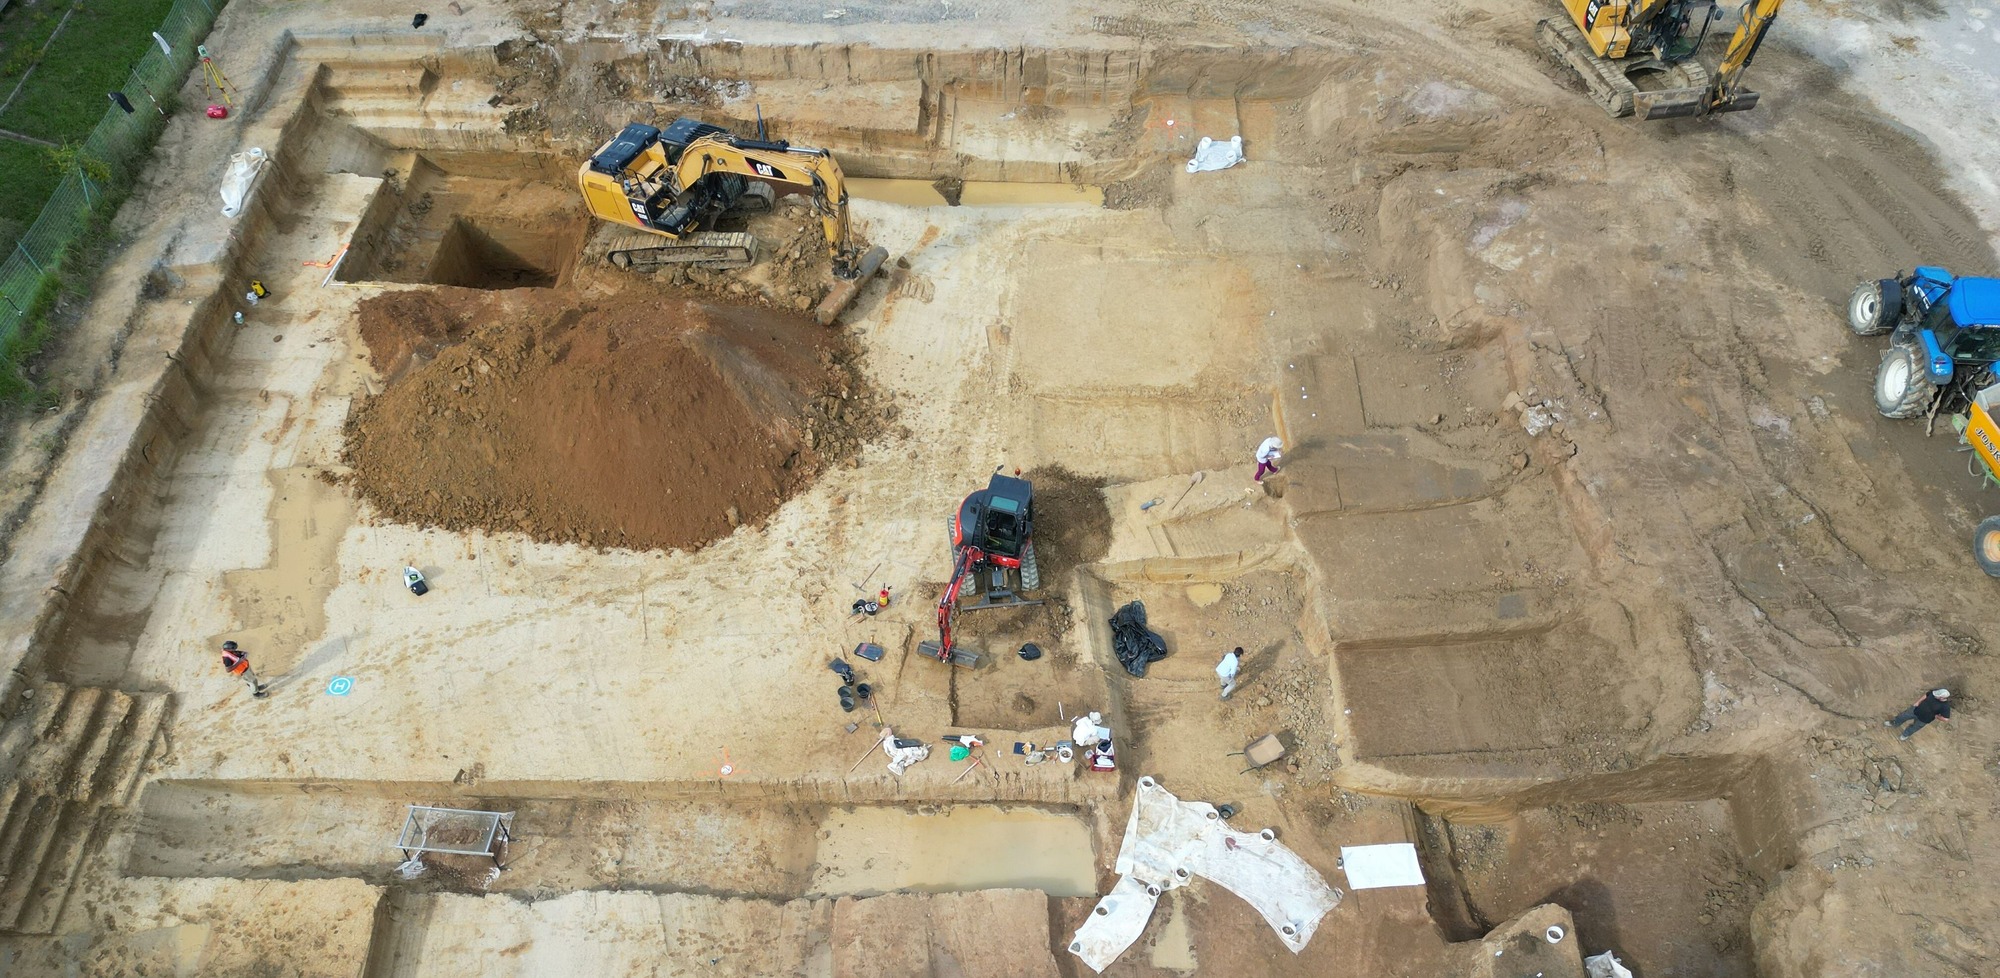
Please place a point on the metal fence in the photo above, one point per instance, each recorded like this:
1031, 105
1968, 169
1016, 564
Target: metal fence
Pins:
29, 275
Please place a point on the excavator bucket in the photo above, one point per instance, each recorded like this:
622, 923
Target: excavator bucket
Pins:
1678, 103
844, 292
1670, 103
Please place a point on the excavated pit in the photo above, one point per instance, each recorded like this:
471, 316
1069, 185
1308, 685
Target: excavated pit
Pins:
1497, 633
470, 222
1664, 862
646, 838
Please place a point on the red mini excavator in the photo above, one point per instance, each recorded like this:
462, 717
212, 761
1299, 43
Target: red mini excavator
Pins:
992, 543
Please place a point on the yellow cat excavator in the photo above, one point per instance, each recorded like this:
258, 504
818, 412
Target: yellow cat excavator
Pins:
675, 182
1638, 56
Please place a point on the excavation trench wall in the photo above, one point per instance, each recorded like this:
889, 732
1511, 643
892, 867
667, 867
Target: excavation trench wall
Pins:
917, 113
666, 838
155, 399
1762, 812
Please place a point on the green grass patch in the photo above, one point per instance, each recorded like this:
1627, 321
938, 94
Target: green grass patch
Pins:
24, 26
64, 98
26, 181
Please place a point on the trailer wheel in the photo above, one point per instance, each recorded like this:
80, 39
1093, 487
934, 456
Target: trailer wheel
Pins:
1986, 545
1031, 572
1873, 307
1903, 388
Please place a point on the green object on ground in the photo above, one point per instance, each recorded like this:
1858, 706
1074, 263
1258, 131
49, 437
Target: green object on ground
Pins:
960, 753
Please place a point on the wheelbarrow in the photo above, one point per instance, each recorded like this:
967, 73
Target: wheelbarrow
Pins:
1260, 752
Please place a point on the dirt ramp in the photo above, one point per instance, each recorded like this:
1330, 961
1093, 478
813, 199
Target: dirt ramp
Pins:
642, 420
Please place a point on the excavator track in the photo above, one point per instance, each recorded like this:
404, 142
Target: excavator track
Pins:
707, 249
1606, 81
1611, 86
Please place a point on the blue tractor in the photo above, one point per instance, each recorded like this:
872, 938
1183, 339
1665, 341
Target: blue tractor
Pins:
1944, 339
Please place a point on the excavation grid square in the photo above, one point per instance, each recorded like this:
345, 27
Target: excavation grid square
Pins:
456, 831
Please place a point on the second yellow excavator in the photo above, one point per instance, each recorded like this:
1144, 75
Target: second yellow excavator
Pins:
1638, 56
675, 182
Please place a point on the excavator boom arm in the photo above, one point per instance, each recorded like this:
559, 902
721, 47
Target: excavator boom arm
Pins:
1757, 18
812, 170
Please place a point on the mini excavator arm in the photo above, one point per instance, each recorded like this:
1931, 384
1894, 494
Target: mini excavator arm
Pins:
1757, 18
965, 564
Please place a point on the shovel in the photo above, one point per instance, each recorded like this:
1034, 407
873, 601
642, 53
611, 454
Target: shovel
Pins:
1193, 481
968, 770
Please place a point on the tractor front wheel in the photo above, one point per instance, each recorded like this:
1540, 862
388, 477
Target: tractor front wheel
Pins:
1903, 388
1986, 545
1872, 309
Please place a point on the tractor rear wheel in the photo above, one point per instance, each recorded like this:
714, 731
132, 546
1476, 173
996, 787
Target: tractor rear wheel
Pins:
1986, 545
1871, 312
1903, 388
1031, 572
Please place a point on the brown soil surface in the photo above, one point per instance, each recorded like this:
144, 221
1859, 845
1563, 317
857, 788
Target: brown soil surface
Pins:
641, 421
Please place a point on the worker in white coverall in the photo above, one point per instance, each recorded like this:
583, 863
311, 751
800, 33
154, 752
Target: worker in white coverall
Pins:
1226, 669
1267, 457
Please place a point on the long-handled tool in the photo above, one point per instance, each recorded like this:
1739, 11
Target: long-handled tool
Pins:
1193, 480
968, 770
871, 753
862, 585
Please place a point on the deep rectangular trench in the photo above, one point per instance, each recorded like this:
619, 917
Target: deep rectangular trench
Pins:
659, 841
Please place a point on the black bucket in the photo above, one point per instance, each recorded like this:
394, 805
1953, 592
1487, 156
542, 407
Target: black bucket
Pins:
1030, 652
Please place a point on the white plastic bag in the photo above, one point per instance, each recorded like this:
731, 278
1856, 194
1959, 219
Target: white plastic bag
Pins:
1211, 155
1605, 966
1086, 732
236, 182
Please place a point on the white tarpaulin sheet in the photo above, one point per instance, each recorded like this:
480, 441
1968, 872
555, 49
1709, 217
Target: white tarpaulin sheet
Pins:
1167, 843
1212, 155
1371, 867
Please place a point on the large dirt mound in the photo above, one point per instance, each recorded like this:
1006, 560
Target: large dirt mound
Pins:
642, 420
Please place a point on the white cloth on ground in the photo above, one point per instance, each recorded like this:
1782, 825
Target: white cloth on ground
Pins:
236, 181
1212, 155
1605, 965
1086, 732
900, 758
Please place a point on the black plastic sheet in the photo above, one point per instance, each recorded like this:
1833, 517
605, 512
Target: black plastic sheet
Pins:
1135, 644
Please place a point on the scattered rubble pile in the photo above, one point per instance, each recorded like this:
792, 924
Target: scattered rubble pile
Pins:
642, 420
793, 269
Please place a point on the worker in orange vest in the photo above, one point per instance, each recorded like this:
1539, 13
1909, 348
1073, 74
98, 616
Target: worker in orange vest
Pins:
237, 663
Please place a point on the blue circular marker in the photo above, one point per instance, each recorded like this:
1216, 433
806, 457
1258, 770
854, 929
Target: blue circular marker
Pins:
340, 686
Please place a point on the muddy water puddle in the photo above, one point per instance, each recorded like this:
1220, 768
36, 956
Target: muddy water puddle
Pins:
865, 851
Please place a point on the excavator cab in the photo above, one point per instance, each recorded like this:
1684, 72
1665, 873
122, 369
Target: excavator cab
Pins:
676, 183
997, 520
1638, 57
992, 551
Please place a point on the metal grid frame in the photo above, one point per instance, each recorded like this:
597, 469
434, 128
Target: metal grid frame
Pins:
421, 819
